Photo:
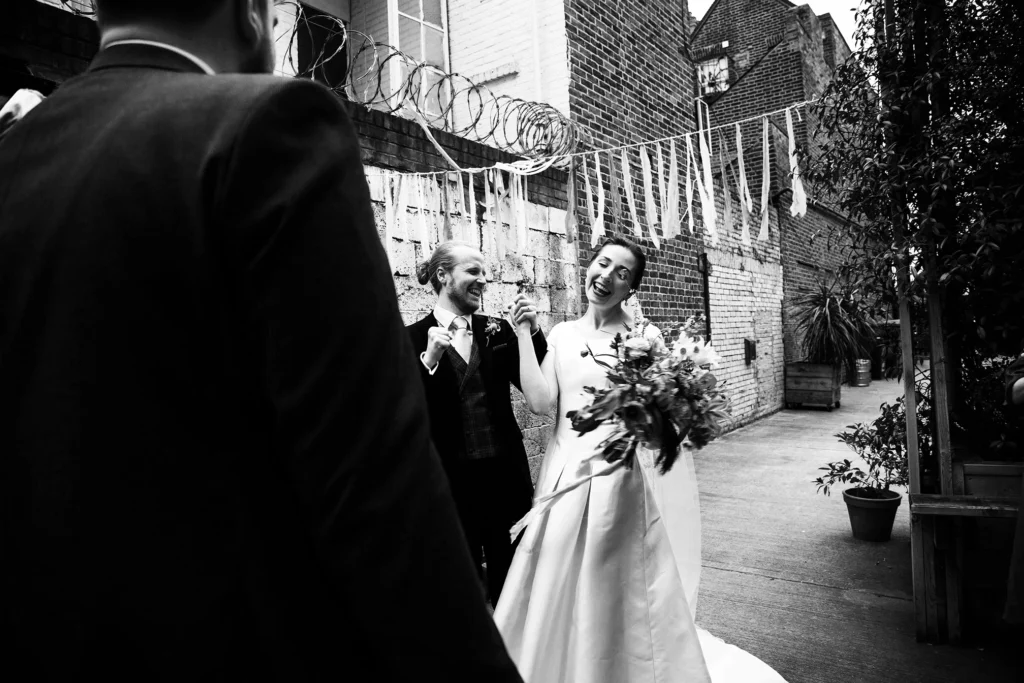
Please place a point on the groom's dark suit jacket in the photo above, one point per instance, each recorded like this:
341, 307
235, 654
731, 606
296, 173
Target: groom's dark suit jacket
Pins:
215, 459
499, 368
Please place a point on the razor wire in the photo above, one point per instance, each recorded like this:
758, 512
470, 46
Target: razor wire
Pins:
380, 76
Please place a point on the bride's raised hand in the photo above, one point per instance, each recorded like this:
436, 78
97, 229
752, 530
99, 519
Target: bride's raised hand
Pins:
524, 313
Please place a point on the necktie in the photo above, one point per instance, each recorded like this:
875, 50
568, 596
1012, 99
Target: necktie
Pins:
461, 337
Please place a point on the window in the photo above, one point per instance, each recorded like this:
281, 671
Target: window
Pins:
321, 50
713, 75
419, 29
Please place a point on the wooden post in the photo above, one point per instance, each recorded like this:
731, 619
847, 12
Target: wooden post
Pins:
930, 31
918, 546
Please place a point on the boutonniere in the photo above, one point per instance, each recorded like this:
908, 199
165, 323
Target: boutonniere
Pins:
493, 327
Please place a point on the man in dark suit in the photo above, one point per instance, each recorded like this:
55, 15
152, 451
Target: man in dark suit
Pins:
215, 460
468, 363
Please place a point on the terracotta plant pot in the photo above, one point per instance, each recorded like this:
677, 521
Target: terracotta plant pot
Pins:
872, 516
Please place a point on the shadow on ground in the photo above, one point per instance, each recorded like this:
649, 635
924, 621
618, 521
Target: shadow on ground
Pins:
783, 577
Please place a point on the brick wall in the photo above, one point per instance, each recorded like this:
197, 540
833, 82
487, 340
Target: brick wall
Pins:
630, 83
789, 50
752, 27
745, 284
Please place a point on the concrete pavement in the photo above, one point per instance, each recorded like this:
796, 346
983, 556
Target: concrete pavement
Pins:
783, 576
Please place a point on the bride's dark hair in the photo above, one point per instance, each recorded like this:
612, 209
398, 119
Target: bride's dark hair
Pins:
634, 249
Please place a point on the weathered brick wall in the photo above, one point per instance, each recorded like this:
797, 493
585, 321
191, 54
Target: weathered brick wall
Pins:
837, 50
48, 44
630, 83
745, 284
790, 49
549, 268
752, 28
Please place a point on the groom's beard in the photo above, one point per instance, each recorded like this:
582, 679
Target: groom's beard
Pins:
464, 301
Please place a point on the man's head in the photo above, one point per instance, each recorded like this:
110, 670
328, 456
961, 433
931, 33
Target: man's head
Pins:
231, 35
457, 273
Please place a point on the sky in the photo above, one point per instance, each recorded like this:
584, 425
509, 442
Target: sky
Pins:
841, 11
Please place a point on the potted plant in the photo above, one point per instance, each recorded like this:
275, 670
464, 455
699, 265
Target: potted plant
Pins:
836, 331
882, 445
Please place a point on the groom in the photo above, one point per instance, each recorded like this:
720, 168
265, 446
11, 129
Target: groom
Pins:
467, 362
202, 477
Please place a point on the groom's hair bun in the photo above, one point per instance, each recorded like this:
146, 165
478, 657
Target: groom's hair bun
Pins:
443, 258
118, 11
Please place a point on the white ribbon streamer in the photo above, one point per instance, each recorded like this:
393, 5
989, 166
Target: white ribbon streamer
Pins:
627, 186
650, 209
765, 182
689, 181
390, 187
670, 213
596, 217
799, 206
746, 203
424, 231
707, 191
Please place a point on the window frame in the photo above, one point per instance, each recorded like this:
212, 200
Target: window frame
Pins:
720, 81
395, 75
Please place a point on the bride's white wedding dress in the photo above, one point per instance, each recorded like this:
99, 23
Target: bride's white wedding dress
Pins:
603, 587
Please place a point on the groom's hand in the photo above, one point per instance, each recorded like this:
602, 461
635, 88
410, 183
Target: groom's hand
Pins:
438, 341
524, 311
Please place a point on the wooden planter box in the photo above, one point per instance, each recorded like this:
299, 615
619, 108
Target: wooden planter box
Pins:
813, 383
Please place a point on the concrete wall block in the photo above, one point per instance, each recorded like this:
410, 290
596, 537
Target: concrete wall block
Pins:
403, 258
556, 220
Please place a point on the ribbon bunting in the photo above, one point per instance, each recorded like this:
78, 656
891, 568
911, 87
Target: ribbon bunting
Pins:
746, 204
762, 235
454, 199
650, 209
613, 178
799, 206
596, 217
670, 193
627, 185
726, 190
689, 182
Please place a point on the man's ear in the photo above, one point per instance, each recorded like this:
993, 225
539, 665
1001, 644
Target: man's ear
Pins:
250, 15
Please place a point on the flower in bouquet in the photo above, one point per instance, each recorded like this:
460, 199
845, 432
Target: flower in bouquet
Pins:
658, 396
696, 350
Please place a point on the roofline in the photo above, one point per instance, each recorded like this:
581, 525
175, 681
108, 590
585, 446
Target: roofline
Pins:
714, 5
847, 44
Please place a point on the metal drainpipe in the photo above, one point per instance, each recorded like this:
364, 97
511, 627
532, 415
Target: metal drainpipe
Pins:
705, 271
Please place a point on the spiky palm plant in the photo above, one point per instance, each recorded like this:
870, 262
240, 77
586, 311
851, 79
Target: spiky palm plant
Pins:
835, 325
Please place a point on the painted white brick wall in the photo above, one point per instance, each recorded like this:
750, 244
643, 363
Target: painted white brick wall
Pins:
550, 266
745, 287
490, 34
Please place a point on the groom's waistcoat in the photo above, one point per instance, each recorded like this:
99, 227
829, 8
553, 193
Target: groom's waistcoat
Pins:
479, 440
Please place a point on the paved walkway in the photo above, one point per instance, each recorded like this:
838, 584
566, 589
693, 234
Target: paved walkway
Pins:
784, 578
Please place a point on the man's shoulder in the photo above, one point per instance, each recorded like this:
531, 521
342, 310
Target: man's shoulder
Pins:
422, 324
243, 95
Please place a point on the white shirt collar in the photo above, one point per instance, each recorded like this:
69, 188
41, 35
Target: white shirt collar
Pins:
445, 317
176, 50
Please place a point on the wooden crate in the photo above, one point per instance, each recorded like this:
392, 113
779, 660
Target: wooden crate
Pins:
814, 384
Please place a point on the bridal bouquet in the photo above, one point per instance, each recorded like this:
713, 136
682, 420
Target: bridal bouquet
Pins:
659, 396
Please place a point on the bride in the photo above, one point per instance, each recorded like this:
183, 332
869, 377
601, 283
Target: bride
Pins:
603, 586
